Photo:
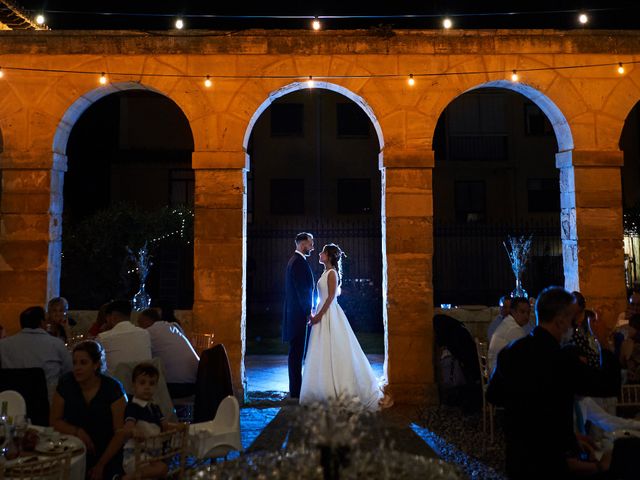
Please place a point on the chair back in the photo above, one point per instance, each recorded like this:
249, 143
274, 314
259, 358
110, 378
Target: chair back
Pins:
629, 396
161, 397
56, 468
31, 384
169, 446
213, 383
482, 350
201, 342
228, 414
15, 403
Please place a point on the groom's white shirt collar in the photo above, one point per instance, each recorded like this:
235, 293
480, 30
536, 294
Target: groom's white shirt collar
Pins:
301, 254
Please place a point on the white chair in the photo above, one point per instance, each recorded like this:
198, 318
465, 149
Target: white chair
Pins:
15, 403
488, 410
219, 436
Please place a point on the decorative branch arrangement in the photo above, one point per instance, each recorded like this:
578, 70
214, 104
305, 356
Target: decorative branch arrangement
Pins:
142, 261
518, 250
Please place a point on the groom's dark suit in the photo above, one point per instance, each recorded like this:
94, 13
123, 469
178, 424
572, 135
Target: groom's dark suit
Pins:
297, 308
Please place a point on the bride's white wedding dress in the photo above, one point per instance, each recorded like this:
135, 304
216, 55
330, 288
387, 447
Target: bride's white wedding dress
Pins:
335, 364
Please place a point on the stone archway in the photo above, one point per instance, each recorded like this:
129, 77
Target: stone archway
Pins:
60, 163
379, 144
564, 163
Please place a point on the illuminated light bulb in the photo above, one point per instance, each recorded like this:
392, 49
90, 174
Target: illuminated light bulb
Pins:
40, 19
316, 23
179, 24
514, 76
102, 79
620, 68
208, 82
411, 81
1, 72
583, 18
311, 83
447, 23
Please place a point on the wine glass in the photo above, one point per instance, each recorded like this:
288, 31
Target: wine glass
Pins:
21, 424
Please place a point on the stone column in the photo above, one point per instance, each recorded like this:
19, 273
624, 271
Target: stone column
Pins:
408, 210
30, 231
219, 254
592, 233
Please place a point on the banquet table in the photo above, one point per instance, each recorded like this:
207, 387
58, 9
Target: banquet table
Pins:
51, 445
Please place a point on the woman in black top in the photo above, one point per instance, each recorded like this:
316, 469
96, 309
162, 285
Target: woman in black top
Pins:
90, 405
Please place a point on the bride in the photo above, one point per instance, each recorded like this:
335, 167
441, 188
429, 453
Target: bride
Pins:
335, 364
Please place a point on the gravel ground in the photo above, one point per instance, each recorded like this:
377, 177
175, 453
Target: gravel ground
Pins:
457, 439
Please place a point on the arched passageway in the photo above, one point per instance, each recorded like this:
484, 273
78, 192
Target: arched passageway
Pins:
313, 158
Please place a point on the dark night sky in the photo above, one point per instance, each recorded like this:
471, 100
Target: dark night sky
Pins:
625, 13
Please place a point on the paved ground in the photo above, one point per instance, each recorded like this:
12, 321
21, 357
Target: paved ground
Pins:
266, 419
443, 432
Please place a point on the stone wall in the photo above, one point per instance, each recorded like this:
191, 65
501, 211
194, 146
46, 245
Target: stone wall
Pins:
587, 108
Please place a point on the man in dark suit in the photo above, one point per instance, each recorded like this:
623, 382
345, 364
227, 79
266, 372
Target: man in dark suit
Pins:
297, 308
536, 381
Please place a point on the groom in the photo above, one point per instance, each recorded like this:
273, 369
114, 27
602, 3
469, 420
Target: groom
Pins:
297, 309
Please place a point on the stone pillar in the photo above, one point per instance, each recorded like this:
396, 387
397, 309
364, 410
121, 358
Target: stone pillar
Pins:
219, 254
592, 232
30, 231
408, 211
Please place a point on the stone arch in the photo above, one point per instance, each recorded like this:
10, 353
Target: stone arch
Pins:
362, 103
294, 87
59, 148
565, 142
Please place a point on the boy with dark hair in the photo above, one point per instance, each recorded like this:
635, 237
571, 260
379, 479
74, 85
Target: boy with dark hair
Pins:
142, 419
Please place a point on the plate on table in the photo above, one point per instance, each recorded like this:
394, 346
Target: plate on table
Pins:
54, 447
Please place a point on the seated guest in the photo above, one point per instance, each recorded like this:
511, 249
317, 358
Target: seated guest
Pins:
143, 419
100, 324
178, 356
511, 328
167, 314
536, 380
90, 406
33, 347
633, 307
505, 305
584, 339
630, 350
59, 323
123, 342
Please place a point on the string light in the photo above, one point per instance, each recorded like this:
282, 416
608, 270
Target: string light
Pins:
208, 82
411, 80
1, 72
583, 18
296, 77
179, 24
102, 79
316, 23
310, 82
514, 76
40, 19
447, 23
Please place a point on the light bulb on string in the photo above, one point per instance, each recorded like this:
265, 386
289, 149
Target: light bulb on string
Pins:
316, 23
179, 24
208, 82
411, 81
40, 19
620, 68
583, 18
103, 79
447, 23
514, 76
311, 83
1, 72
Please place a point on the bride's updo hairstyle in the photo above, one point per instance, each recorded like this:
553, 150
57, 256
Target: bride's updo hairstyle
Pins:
335, 255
